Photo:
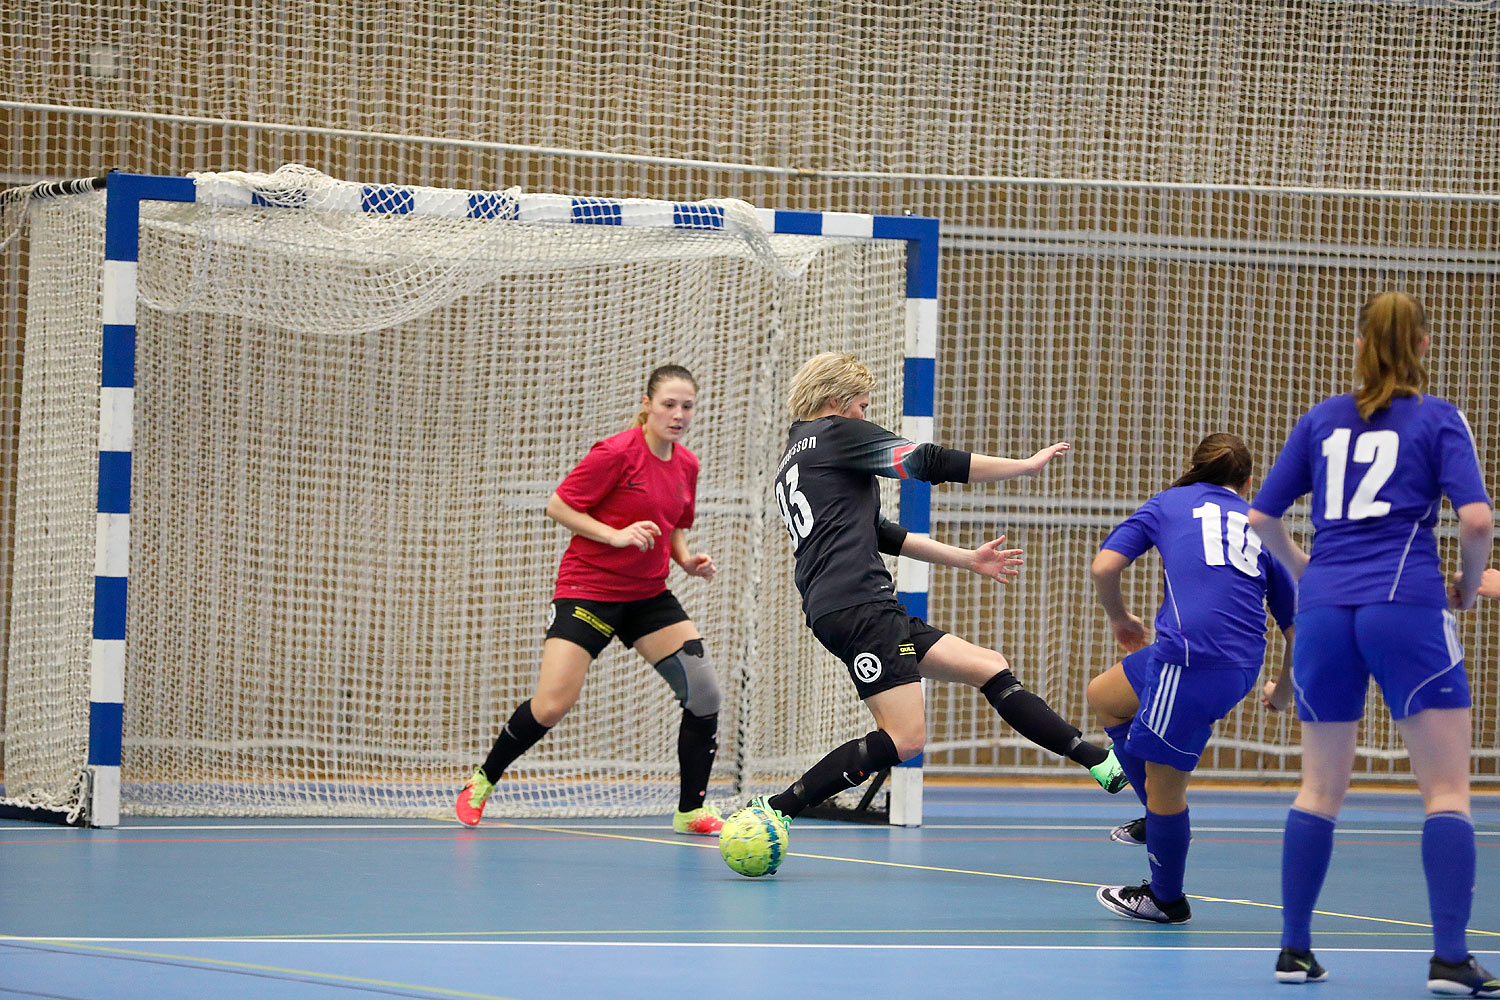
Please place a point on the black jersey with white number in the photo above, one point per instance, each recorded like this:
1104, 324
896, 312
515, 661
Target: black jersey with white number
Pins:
826, 490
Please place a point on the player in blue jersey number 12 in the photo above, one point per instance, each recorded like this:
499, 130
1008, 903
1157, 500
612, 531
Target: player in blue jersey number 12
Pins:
1160, 703
1372, 602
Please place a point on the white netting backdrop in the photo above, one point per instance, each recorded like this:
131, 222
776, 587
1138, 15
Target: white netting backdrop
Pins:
346, 428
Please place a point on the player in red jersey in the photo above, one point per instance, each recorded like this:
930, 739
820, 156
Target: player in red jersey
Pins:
628, 504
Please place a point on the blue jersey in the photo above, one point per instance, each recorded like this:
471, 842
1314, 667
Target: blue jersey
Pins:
1218, 579
1376, 487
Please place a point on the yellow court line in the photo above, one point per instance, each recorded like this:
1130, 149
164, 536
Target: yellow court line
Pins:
253, 967
966, 871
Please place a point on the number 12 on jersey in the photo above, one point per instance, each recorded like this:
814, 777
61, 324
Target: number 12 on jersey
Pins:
796, 512
1378, 450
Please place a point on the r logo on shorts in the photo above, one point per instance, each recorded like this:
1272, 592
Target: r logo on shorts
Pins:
879, 644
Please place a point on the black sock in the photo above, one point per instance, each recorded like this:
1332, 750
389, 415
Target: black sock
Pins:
516, 737
1034, 719
696, 747
846, 767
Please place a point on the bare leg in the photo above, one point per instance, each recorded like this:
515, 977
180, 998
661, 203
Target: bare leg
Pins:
1112, 698
564, 666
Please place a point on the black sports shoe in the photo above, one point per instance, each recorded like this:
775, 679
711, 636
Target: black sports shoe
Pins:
1140, 903
1132, 833
1293, 966
1461, 979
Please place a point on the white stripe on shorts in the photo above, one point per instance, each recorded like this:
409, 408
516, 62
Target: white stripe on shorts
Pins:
1163, 698
1450, 636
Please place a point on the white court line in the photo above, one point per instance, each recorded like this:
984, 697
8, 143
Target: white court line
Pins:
438, 825
767, 945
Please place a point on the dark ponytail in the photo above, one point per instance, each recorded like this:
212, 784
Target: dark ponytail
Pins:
1221, 459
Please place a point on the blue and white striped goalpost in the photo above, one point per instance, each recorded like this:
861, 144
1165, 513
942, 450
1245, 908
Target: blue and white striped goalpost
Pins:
126, 193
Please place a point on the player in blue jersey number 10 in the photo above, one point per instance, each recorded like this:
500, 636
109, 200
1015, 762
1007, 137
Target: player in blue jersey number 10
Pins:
1160, 703
1372, 602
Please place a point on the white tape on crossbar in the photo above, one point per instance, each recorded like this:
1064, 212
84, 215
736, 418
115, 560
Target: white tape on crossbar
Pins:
440, 204
848, 224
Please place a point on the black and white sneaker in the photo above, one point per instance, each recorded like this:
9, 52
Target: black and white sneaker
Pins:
1132, 833
1140, 903
1461, 979
1293, 966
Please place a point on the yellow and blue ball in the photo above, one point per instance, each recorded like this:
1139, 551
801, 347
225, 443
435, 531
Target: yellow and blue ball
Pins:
753, 842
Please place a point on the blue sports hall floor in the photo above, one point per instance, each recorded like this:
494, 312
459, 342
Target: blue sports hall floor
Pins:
992, 897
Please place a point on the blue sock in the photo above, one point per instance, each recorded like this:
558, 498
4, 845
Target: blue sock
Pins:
1306, 847
1134, 767
1448, 859
1167, 840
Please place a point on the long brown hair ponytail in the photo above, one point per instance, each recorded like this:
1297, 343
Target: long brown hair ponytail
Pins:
1392, 326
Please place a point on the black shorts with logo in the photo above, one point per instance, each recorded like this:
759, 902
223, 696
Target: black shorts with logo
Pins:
879, 643
591, 624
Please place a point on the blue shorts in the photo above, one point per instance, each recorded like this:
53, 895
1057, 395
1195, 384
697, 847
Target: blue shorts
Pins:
1412, 652
1180, 706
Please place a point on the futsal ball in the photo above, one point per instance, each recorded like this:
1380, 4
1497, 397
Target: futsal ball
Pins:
753, 842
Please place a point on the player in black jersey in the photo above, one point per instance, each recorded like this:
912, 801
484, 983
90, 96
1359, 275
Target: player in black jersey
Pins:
826, 490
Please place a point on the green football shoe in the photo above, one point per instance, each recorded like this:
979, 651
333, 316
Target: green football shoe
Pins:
764, 802
1109, 773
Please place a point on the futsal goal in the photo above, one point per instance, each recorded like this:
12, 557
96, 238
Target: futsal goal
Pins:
285, 443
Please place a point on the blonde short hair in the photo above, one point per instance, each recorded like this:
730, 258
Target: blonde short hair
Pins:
825, 380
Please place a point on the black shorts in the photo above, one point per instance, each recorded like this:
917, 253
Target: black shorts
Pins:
879, 643
591, 624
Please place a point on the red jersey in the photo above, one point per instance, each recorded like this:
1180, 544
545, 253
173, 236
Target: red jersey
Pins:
620, 482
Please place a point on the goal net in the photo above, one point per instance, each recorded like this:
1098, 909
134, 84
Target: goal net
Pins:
350, 406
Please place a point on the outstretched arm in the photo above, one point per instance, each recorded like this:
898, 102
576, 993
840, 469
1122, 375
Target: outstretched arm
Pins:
989, 469
988, 560
1130, 631
641, 534
1274, 536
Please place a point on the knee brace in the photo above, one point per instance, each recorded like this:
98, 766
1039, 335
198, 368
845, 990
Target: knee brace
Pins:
691, 678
